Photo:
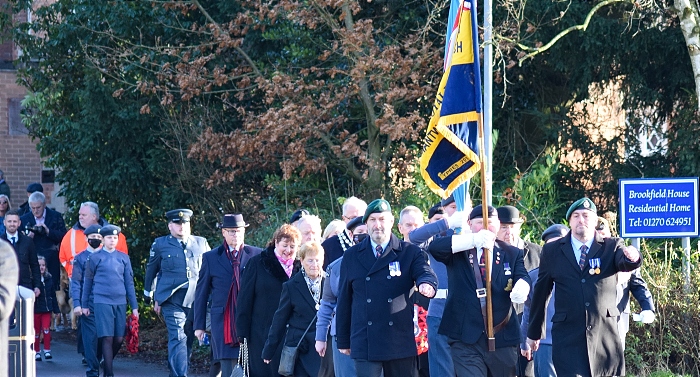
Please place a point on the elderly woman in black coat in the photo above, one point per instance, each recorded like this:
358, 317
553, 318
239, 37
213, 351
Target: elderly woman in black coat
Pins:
296, 313
259, 296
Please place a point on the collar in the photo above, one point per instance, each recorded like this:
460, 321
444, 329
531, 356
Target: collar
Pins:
576, 244
43, 216
12, 235
384, 245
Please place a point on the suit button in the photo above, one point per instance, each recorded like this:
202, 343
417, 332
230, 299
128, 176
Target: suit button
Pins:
588, 304
388, 276
391, 323
583, 280
369, 300
389, 300
589, 327
369, 323
367, 278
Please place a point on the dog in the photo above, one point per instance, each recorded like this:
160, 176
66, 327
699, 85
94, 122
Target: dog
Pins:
65, 303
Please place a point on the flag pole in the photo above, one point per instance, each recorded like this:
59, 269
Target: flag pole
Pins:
487, 257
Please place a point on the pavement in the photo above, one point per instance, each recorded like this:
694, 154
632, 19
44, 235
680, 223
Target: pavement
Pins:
67, 362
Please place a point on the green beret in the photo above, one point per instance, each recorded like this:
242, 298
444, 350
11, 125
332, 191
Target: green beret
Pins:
377, 206
181, 215
583, 203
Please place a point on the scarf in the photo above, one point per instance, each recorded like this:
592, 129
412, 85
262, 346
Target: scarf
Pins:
287, 265
230, 337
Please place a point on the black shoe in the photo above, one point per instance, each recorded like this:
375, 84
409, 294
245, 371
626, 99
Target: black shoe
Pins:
47, 355
84, 362
37, 357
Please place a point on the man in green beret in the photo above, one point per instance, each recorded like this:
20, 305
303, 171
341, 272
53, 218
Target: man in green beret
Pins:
584, 267
374, 316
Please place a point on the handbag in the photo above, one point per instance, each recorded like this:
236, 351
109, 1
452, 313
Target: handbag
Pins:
242, 368
289, 354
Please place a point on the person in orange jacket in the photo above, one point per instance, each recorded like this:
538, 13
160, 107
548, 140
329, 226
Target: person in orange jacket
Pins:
74, 242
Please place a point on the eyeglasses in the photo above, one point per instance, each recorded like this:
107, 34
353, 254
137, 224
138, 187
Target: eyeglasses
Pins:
3, 202
350, 217
233, 231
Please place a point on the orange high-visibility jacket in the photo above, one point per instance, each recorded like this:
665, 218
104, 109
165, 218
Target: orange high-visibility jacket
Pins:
74, 242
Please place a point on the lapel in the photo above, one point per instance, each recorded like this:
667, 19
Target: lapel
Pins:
388, 256
470, 274
365, 255
565, 247
301, 285
497, 269
224, 262
596, 248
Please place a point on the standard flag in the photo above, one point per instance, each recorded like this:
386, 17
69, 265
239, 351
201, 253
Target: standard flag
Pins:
450, 157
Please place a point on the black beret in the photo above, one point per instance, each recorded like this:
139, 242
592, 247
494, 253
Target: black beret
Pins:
477, 212
509, 215
92, 229
181, 215
377, 206
354, 223
583, 203
435, 210
450, 199
34, 187
110, 230
298, 214
556, 230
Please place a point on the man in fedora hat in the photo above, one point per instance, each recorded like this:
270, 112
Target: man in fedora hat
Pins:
176, 260
220, 277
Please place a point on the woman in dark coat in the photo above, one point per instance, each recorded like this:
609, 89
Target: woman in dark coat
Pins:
259, 296
296, 312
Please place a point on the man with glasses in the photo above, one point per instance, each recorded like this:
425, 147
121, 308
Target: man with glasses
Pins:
47, 228
335, 246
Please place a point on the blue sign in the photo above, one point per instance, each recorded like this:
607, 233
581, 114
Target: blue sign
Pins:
659, 208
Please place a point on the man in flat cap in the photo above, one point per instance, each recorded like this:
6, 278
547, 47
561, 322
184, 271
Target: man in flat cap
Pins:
176, 260
584, 267
220, 281
463, 319
375, 313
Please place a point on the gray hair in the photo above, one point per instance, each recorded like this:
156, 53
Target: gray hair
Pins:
356, 202
9, 205
37, 197
93, 206
410, 209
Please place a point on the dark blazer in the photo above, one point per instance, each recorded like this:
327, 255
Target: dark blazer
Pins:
631, 282
585, 340
375, 310
57, 229
167, 261
215, 279
462, 319
295, 312
29, 276
334, 247
259, 297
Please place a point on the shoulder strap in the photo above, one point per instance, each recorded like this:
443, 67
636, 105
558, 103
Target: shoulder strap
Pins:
307, 329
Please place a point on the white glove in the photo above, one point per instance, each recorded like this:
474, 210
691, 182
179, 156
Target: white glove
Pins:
455, 221
461, 242
484, 239
520, 291
647, 316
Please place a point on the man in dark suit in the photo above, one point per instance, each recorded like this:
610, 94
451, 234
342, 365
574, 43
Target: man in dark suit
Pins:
584, 266
509, 232
29, 276
463, 320
47, 228
8, 291
375, 313
176, 260
220, 277
335, 246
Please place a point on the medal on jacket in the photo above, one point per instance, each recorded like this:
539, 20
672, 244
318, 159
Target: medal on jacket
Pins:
595, 266
394, 269
317, 307
498, 257
506, 268
509, 286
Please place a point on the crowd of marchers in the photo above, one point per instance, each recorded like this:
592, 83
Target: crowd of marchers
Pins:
351, 300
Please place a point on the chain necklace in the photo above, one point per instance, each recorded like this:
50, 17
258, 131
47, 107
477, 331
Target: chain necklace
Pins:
345, 240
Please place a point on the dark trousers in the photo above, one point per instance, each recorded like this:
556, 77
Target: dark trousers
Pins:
91, 347
327, 368
405, 367
476, 360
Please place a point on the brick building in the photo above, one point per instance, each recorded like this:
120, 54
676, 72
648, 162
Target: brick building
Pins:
19, 158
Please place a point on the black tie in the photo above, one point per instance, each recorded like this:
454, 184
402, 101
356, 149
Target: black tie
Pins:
14, 242
184, 245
